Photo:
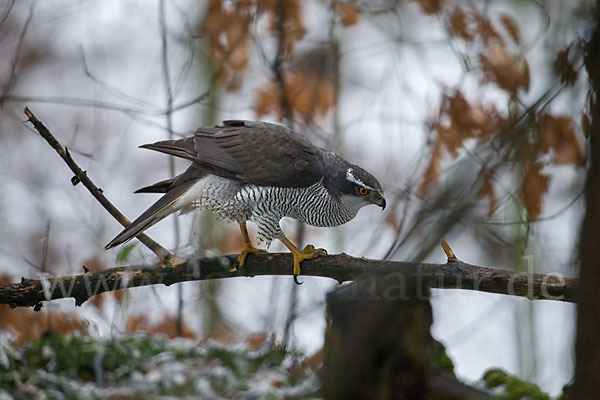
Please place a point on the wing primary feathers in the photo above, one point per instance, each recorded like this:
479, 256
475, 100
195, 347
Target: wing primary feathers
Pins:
158, 187
183, 148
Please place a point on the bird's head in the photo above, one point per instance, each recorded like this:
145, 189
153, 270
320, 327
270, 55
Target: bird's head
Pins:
359, 188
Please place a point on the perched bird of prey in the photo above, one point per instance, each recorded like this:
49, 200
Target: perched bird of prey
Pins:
261, 172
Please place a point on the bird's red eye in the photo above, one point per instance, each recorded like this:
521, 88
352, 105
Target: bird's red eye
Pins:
363, 190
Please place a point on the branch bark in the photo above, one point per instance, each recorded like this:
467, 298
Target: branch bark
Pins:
452, 275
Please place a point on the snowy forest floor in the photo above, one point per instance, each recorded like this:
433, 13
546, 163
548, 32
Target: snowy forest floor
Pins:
77, 366
142, 366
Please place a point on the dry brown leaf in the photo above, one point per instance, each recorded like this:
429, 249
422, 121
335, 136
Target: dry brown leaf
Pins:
347, 12
276, 381
508, 71
167, 326
307, 93
315, 361
564, 68
486, 31
224, 335
431, 6
467, 120
458, 25
28, 325
310, 94
526, 152
557, 133
98, 299
451, 138
458, 120
227, 31
291, 29
393, 220
510, 25
432, 171
534, 184
487, 190
256, 340
268, 100
463, 116
137, 323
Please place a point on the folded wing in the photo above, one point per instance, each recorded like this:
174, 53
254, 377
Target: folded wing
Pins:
258, 153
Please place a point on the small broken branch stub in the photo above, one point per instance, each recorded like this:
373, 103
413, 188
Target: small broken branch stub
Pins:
449, 253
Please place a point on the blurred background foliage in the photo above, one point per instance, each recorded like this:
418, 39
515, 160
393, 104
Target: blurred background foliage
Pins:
473, 115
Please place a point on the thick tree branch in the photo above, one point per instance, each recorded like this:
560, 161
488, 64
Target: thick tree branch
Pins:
453, 275
81, 176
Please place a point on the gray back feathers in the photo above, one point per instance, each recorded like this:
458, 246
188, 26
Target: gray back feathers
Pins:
256, 153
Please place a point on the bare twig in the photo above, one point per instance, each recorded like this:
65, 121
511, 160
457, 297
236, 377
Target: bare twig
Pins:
168, 95
10, 82
81, 176
162, 22
6, 12
456, 275
110, 89
276, 66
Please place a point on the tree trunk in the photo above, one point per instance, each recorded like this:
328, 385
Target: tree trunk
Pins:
587, 348
378, 343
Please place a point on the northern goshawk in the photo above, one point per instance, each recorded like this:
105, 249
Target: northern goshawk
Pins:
261, 172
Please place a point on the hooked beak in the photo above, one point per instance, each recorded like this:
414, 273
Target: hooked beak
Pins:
381, 201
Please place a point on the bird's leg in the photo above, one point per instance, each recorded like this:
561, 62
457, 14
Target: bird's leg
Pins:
248, 248
300, 255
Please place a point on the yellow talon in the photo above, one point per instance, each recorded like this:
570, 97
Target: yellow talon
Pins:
300, 255
248, 248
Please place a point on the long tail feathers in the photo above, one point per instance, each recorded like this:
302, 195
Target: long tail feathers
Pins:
132, 230
165, 206
174, 189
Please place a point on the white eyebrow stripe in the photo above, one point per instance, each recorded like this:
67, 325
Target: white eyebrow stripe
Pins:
350, 176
